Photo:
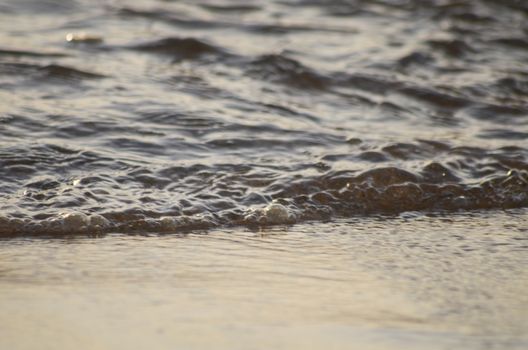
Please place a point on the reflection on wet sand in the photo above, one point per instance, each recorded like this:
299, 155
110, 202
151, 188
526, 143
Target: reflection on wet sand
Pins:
409, 282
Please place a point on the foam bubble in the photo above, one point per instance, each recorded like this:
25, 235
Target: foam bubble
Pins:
74, 221
168, 223
276, 213
98, 221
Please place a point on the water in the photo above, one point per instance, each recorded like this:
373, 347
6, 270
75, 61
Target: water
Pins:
166, 115
158, 117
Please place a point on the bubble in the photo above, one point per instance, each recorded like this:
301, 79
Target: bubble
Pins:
98, 221
168, 223
276, 213
74, 221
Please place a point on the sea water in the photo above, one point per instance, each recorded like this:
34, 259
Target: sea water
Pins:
263, 174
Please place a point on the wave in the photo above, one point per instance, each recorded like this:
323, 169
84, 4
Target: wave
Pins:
180, 198
47, 73
26, 53
380, 191
284, 70
178, 48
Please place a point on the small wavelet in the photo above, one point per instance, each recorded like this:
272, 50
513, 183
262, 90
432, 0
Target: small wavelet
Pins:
453, 48
237, 8
171, 18
25, 53
435, 98
48, 73
278, 68
178, 48
518, 43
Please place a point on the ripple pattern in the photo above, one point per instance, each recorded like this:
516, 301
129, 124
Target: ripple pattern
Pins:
158, 116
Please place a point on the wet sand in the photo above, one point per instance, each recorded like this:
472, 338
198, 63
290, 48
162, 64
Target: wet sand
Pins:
408, 282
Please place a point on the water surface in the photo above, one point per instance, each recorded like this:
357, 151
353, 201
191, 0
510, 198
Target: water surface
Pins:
263, 174
148, 116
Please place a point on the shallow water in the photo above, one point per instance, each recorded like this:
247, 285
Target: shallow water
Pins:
148, 116
263, 174
409, 282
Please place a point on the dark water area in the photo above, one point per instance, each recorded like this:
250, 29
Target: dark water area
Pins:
162, 116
